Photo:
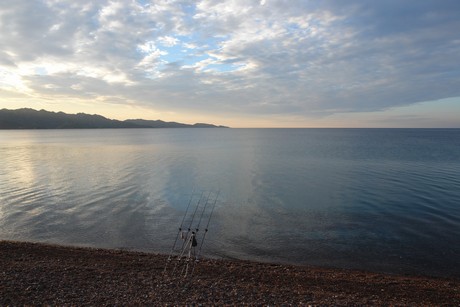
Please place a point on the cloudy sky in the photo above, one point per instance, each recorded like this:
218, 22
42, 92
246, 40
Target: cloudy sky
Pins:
242, 63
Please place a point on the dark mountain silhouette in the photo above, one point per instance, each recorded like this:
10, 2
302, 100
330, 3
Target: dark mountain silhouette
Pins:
162, 124
33, 119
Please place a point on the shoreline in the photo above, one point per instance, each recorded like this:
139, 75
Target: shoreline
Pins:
45, 274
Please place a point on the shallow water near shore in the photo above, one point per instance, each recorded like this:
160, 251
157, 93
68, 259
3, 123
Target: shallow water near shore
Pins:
374, 199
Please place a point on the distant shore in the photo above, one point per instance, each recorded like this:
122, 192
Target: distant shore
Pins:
41, 274
27, 118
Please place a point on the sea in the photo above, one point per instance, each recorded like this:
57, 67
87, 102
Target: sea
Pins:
382, 200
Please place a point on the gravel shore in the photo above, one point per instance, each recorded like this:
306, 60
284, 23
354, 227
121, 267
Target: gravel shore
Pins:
41, 274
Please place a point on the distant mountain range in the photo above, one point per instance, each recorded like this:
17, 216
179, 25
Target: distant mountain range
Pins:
33, 119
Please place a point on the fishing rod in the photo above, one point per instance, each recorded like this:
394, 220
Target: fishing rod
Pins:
179, 232
205, 232
195, 215
192, 242
192, 219
209, 221
186, 238
197, 228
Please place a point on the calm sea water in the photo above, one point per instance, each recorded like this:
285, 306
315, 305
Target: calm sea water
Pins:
376, 199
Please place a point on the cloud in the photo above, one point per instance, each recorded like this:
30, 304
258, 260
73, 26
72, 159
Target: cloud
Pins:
307, 58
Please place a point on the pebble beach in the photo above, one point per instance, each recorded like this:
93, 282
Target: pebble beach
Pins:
43, 274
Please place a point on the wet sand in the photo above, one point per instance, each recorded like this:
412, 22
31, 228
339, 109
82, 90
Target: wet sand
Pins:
40, 274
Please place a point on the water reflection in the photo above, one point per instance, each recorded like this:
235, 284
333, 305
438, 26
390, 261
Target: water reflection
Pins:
369, 199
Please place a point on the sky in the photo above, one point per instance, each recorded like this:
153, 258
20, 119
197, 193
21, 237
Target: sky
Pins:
240, 63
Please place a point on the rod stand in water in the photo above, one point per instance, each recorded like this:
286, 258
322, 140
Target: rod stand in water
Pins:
185, 255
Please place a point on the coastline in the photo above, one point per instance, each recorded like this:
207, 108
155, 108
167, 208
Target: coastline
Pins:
44, 274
